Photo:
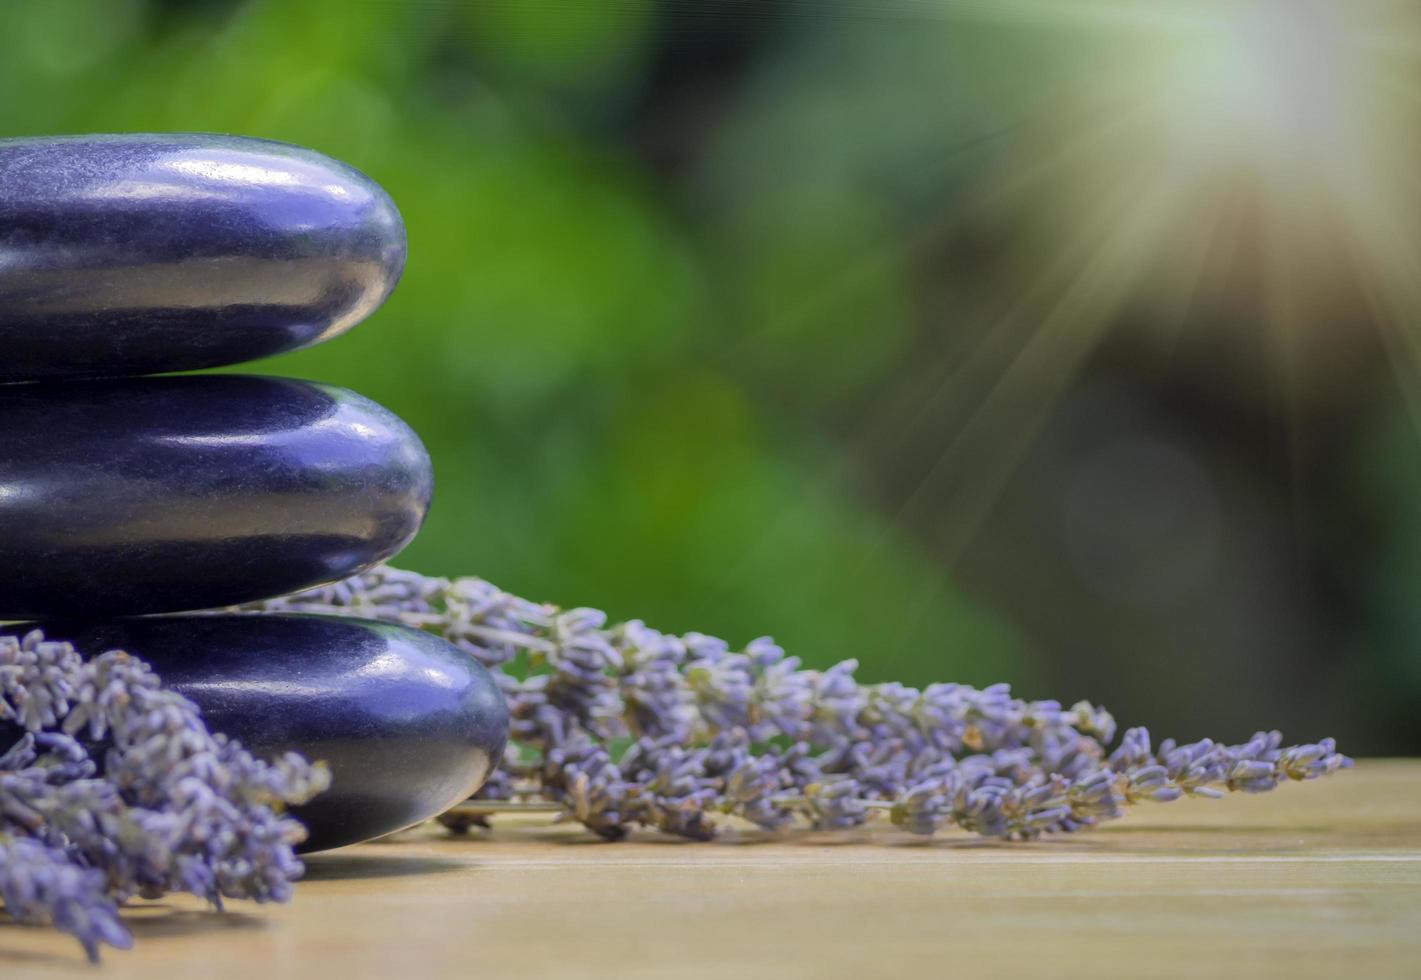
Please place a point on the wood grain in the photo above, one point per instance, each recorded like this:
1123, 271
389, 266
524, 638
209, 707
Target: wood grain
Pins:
1317, 880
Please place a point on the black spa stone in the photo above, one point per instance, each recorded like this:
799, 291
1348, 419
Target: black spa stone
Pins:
148, 495
408, 724
138, 254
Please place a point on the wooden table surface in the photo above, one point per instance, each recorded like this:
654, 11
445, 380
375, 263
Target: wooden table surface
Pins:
1315, 880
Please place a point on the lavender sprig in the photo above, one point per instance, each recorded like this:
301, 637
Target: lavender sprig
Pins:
115, 788
43, 885
751, 733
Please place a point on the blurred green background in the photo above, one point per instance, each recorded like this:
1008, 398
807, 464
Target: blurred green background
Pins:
1065, 343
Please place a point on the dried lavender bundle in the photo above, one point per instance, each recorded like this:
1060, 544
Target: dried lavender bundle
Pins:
115, 788
749, 733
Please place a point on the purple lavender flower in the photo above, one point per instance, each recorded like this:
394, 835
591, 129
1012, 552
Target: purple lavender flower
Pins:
36, 680
42, 885
922, 807
835, 805
1194, 766
584, 777
581, 659
837, 703
749, 784
753, 734
1133, 750
669, 787
656, 699
1311, 761
172, 807
782, 699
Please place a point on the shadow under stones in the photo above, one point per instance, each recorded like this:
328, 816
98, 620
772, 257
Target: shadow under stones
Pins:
145, 920
154, 921
16, 957
10, 956
351, 867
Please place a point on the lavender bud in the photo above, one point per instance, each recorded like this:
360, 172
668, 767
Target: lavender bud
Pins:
42, 885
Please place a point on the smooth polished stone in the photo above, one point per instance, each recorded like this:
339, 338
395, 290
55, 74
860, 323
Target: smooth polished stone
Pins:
145, 495
408, 724
139, 254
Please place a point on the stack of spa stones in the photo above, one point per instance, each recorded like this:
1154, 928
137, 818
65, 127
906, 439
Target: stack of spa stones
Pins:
124, 495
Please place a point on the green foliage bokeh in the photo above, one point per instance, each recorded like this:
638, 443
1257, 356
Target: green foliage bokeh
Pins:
770, 316
559, 339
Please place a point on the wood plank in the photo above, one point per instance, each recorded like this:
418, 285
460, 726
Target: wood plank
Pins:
1316, 880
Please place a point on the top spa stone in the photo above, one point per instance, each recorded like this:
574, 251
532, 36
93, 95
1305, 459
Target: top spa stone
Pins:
139, 254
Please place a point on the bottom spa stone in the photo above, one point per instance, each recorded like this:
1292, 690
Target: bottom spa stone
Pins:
408, 724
